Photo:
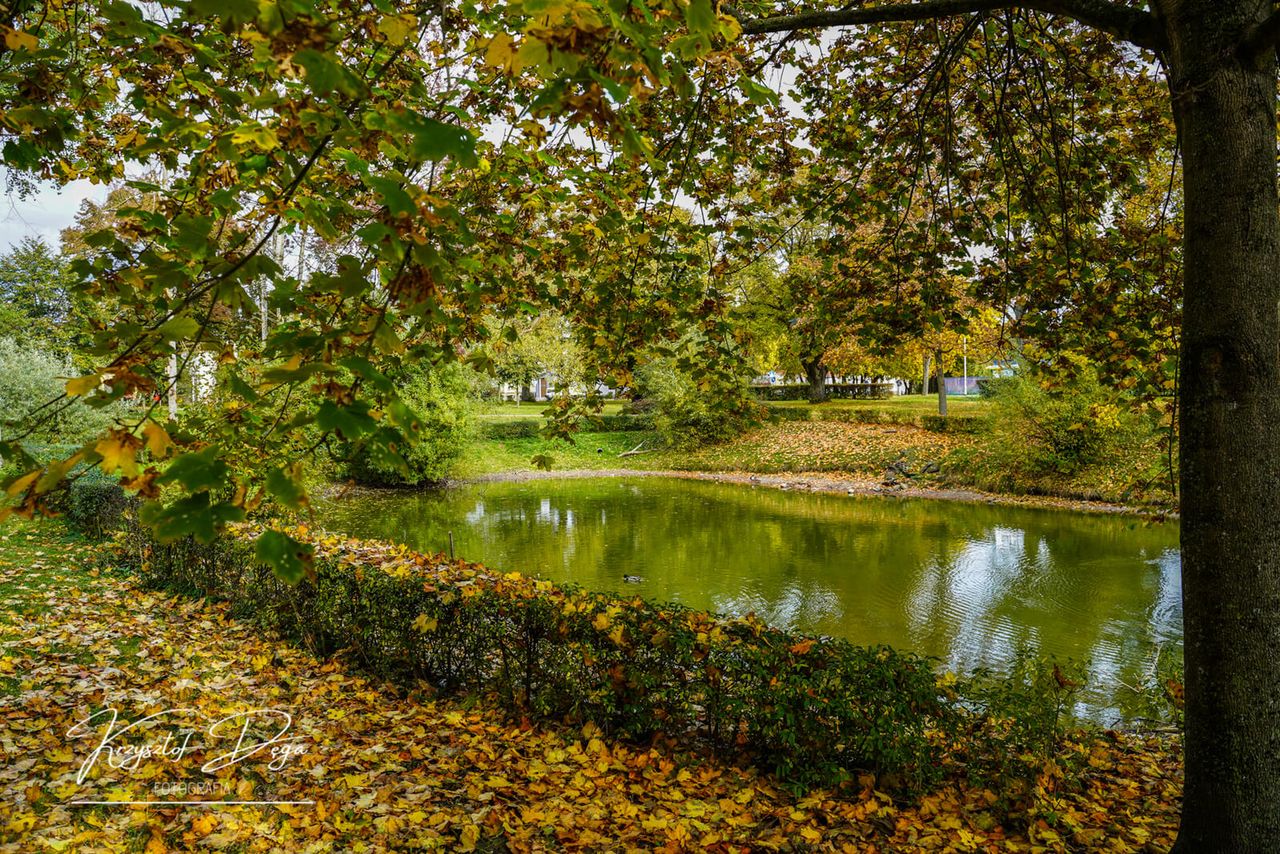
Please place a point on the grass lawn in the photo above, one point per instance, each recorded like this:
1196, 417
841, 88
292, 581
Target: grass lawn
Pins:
588, 451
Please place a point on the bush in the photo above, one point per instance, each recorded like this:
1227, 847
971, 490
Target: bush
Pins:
1039, 431
92, 502
814, 710
953, 423
31, 377
1020, 717
95, 504
440, 397
689, 413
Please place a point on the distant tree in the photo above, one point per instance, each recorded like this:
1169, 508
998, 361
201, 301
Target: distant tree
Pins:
35, 294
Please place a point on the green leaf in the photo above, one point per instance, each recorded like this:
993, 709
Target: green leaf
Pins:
428, 138
179, 328
197, 471
393, 195
433, 140
194, 516
700, 17
349, 422
234, 13
287, 557
324, 75
287, 486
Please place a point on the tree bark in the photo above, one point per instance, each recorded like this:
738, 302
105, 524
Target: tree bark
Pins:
1230, 426
942, 385
924, 383
816, 373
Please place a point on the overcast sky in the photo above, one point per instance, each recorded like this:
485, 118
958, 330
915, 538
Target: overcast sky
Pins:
44, 214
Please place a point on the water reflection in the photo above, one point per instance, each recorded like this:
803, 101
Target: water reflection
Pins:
969, 583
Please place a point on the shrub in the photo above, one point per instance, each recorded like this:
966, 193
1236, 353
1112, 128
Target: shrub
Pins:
690, 413
1040, 431
95, 504
440, 397
953, 423
1015, 733
814, 710
92, 502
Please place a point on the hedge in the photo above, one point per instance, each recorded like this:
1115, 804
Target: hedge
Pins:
953, 423
813, 710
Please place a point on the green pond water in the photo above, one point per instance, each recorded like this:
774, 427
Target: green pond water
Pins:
968, 583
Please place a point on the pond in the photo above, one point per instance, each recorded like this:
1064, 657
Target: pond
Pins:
969, 583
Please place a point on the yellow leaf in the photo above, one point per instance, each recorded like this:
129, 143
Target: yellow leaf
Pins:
119, 450
424, 624
397, 28
155, 845
203, 825
501, 53
470, 836
158, 441
83, 385
21, 484
18, 40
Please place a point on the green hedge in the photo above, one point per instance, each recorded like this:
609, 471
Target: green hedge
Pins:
95, 504
953, 423
813, 710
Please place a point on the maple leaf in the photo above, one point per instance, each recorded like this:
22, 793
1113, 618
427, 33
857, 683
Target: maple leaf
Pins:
119, 452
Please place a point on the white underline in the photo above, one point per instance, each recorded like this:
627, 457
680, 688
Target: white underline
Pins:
184, 803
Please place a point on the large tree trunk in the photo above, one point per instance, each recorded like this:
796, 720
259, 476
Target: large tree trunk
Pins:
1230, 405
942, 385
816, 373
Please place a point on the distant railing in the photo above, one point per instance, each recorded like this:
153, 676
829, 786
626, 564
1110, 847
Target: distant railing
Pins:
837, 391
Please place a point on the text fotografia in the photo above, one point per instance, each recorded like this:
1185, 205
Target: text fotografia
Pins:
186, 788
260, 734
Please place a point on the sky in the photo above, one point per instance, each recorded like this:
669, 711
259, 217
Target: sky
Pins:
44, 214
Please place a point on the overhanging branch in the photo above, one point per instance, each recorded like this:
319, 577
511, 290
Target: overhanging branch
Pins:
1124, 22
1265, 37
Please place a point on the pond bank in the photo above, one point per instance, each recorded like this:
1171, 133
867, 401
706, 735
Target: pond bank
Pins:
838, 483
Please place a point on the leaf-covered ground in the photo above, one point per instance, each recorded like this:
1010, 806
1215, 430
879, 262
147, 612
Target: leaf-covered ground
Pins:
390, 771
962, 460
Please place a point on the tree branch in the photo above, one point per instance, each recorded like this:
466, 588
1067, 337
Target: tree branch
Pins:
1124, 22
1265, 37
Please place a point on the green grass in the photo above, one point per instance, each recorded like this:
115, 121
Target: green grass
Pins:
588, 451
